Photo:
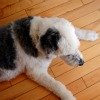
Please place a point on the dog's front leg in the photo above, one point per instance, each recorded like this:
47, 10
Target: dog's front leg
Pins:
43, 78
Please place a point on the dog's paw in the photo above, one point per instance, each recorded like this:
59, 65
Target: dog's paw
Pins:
72, 98
69, 98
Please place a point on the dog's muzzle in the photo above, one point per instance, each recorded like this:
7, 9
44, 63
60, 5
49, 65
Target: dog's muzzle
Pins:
73, 60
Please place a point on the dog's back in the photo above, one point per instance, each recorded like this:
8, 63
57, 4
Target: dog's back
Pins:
7, 48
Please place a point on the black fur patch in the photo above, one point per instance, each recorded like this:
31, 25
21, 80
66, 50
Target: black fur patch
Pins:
7, 49
22, 29
50, 40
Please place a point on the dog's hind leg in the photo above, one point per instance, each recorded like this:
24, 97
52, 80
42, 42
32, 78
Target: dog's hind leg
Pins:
6, 75
43, 78
86, 34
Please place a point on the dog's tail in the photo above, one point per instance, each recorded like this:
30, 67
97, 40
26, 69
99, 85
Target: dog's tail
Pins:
86, 34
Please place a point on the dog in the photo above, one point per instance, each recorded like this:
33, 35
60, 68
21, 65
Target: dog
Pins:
31, 43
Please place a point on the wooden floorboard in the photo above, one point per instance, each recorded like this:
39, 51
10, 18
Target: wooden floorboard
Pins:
84, 82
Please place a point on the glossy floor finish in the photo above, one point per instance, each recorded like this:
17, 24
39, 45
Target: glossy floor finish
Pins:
84, 81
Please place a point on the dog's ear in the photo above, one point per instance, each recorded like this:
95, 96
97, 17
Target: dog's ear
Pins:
50, 40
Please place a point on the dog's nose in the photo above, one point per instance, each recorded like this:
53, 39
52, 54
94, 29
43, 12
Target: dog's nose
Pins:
81, 62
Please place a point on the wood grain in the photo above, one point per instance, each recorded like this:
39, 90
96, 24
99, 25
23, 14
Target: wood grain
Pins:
83, 81
82, 11
92, 77
87, 1
16, 16
17, 89
89, 93
65, 7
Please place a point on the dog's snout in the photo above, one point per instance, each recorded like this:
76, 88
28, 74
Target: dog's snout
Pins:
81, 62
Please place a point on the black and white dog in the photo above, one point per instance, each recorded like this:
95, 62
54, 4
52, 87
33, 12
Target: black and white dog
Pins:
30, 44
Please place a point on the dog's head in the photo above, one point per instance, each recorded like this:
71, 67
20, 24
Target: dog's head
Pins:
57, 37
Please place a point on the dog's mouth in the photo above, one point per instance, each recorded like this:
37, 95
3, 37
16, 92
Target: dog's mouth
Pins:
73, 60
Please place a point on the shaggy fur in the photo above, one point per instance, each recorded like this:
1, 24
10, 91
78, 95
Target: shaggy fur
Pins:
21, 30
30, 44
7, 49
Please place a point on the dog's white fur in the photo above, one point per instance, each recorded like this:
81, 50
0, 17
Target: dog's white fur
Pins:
86, 34
36, 68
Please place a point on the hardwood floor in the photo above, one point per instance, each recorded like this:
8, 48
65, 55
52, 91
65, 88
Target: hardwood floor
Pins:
84, 81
